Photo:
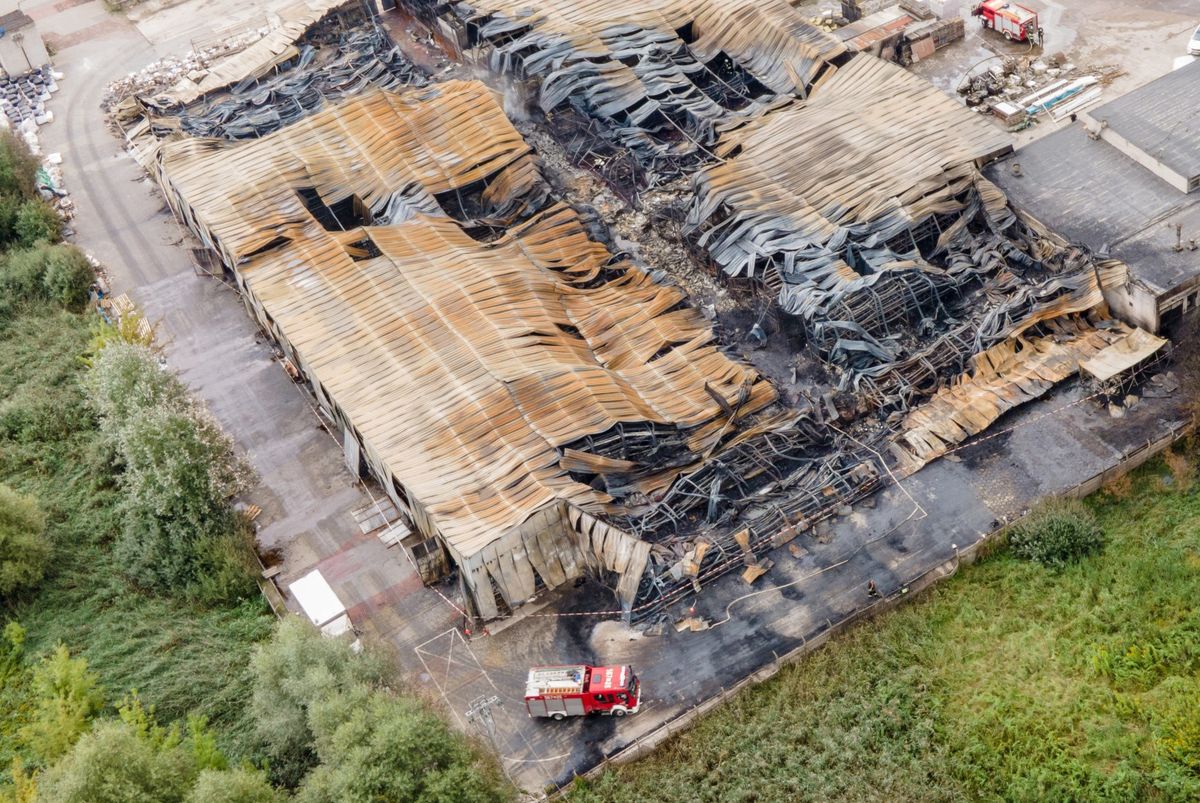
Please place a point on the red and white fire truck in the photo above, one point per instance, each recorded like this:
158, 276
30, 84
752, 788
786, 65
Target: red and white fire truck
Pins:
1015, 21
570, 691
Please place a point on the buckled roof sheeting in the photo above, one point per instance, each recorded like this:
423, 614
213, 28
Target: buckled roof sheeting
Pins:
463, 364
625, 60
1003, 377
873, 151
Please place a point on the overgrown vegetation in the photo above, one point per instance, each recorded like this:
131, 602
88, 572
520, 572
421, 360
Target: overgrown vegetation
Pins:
183, 657
127, 585
1011, 681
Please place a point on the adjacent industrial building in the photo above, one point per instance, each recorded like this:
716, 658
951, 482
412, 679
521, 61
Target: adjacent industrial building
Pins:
1124, 181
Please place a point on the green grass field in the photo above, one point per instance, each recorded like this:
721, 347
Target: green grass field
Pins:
181, 658
1008, 682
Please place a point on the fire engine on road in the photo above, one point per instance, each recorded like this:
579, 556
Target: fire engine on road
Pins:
1015, 21
569, 691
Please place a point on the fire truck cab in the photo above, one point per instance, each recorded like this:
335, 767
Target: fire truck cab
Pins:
1015, 21
570, 691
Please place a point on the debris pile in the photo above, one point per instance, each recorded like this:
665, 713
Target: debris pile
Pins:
51, 187
161, 75
828, 20
255, 108
658, 82
1018, 90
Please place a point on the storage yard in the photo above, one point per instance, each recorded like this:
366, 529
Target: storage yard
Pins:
646, 334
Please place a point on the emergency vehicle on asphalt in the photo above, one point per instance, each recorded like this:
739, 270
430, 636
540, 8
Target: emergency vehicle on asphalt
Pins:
1015, 21
570, 691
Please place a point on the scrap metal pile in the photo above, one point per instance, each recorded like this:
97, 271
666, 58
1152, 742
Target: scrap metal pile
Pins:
898, 257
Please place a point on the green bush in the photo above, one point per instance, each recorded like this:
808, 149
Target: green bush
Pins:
180, 532
9, 206
24, 550
114, 764
134, 759
377, 746
18, 167
23, 274
126, 378
234, 786
45, 272
180, 473
36, 222
69, 277
334, 714
1057, 532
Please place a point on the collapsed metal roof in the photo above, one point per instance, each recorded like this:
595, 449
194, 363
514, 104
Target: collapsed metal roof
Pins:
665, 76
464, 363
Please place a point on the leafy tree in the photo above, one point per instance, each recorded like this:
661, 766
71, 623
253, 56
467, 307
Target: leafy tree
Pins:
114, 764
292, 671
133, 759
318, 704
234, 786
379, 747
180, 473
67, 699
1057, 532
180, 531
24, 550
36, 222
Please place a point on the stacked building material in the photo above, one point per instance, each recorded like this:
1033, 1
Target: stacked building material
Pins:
23, 97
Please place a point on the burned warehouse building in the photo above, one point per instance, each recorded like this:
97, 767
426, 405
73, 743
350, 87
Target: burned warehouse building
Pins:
538, 403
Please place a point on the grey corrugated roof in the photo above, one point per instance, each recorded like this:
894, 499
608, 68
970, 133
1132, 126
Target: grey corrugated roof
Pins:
1091, 193
1161, 118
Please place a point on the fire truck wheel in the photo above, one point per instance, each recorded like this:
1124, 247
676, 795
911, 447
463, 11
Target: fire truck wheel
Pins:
618, 712
558, 717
